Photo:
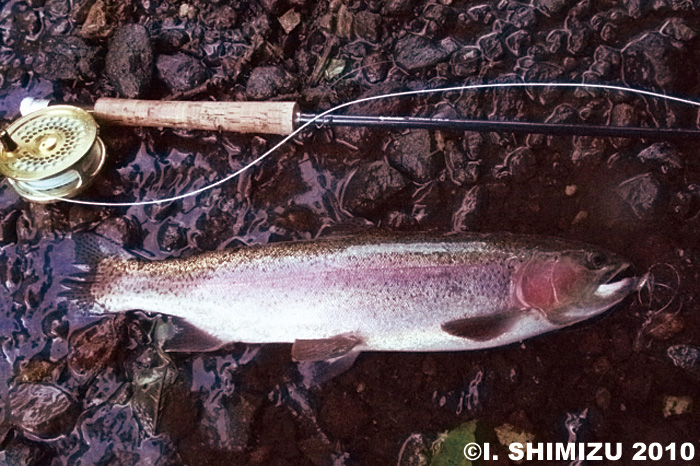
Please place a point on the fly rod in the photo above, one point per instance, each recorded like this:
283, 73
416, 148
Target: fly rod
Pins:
54, 151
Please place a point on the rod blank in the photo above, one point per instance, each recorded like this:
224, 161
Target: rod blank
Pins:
553, 129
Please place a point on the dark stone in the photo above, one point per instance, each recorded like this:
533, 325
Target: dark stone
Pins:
649, 62
275, 7
678, 29
372, 187
467, 215
416, 52
518, 42
551, 7
410, 154
520, 163
368, 26
171, 236
481, 13
124, 231
69, 58
180, 72
522, 16
398, 7
129, 62
661, 154
375, 67
268, 81
640, 193
466, 62
491, 46
42, 410
461, 169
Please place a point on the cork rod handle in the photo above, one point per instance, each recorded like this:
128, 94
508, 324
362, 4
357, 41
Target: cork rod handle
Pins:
241, 117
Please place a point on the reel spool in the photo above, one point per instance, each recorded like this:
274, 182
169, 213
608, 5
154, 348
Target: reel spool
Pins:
51, 153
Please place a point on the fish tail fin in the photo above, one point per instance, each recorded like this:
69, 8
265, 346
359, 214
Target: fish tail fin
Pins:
90, 251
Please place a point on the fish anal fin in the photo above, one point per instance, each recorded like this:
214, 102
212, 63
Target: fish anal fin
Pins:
181, 336
482, 328
324, 348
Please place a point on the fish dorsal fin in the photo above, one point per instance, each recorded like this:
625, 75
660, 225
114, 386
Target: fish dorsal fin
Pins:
324, 348
482, 328
180, 336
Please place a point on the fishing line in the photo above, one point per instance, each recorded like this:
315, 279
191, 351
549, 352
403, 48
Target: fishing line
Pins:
469, 87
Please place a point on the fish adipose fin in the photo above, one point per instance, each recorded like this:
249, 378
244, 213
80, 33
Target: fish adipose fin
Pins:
183, 337
89, 251
325, 348
482, 328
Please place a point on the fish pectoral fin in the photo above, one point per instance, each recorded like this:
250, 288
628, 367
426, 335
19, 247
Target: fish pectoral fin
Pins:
482, 328
324, 348
183, 337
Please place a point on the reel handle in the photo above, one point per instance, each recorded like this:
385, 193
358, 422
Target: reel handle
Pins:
240, 117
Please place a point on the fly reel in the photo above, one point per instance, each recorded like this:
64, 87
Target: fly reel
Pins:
51, 153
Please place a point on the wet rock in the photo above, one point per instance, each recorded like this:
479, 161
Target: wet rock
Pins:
676, 405
521, 16
663, 155
649, 62
607, 62
678, 29
640, 193
375, 67
417, 52
518, 42
466, 62
268, 81
491, 46
18, 453
624, 115
129, 61
684, 356
42, 410
95, 25
467, 215
344, 22
93, 347
410, 153
368, 26
180, 72
123, 231
171, 236
551, 7
415, 451
481, 13
371, 187
461, 169
520, 163
214, 228
289, 20
398, 7
69, 58
665, 325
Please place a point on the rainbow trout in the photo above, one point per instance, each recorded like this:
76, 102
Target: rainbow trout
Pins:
334, 297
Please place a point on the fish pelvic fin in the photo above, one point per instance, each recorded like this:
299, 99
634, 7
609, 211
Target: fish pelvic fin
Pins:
483, 328
324, 348
90, 250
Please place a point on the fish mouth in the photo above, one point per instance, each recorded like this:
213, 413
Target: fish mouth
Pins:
625, 282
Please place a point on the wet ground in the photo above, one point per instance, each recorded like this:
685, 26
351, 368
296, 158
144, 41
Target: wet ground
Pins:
102, 392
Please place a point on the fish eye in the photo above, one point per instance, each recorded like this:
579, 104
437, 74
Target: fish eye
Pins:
595, 260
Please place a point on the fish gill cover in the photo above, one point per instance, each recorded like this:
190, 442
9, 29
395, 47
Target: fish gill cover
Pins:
81, 391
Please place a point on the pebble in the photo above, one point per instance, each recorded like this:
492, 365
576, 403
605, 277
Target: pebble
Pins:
267, 81
398, 7
466, 61
663, 155
417, 52
69, 58
129, 61
676, 405
375, 67
372, 187
640, 193
41, 409
180, 72
171, 236
367, 26
410, 153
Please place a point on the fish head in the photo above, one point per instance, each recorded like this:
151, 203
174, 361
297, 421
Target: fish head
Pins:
573, 285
